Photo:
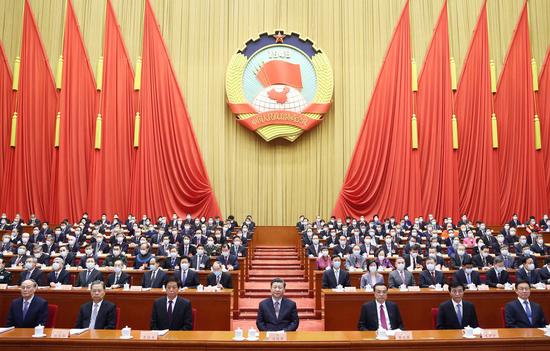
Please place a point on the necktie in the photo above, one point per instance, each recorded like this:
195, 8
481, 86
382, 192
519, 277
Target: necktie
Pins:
498, 277
56, 276
93, 317
25, 308
402, 277
383, 321
277, 308
468, 278
29, 275
116, 279
528, 311
186, 250
153, 276
337, 275
433, 276
218, 279
183, 277
459, 313
529, 277
170, 311
87, 276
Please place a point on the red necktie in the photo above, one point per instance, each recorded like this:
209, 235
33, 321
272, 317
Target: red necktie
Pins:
383, 318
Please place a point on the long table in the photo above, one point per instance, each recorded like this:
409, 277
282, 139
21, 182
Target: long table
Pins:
342, 308
524, 339
213, 308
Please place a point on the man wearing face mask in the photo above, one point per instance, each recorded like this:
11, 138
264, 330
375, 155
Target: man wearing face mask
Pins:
115, 255
20, 258
467, 276
400, 276
172, 262
509, 261
118, 278
458, 259
155, 277
185, 276
514, 223
32, 272
25, 240
100, 246
525, 253
73, 245
119, 239
238, 249
187, 249
544, 272
356, 261
343, 249
218, 278
42, 259
230, 262
497, 276
413, 260
211, 249
527, 271
200, 261
164, 247
315, 248
430, 276
6, 244
483, 260
5, 275
368, 246
58, 274
389, 246
335, 277
90, 275
88, 253
538, 246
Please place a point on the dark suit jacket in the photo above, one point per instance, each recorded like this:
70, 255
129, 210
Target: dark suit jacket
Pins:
368, 320
460, 276
63, 278
160, 279
491, 278
168, 264
81, 279
329, 279
5, 277
205, 260
225, 280
182, 315
456, 263
191, 251
447, 318
106, 316
231, 260
36, 314
532, 278
515, 316
37, 275
123, 279
426, 278
191, 281
544, 274
288, 320
478, 261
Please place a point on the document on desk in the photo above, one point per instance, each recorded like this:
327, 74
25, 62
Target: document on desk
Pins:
3, 330
162, 332
78, 331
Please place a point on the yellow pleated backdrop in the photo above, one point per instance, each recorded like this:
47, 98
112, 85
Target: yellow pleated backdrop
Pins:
277, 181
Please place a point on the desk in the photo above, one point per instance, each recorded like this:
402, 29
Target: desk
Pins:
213, 308
203, 340
415, 307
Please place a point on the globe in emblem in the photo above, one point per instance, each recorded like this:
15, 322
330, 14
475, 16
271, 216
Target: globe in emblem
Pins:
279, 97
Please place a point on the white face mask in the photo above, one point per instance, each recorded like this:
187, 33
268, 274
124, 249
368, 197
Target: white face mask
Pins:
200, 252
143, 252
530, 266
21, 251
118, 270
372, 269
55, 266
28, 265
430, 266
381, 257
185, 266
90, 265
460, 252
468, 270
400, 266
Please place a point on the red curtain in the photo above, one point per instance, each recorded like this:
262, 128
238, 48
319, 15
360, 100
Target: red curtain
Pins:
478, 176
78, 106
169, 173
26, 177
109, 185
543, 103
434, 111
383, 175
6, 107
523, 187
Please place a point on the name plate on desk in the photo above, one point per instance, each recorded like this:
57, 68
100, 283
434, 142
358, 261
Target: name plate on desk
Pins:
489, 334
276, 336
403, 335
65, 287
414, 288
483, 287
148, 335
136, 288
60, 334
3, 286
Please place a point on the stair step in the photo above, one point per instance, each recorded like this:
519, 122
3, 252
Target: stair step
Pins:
274, 247
290, 286
266, 293
269, 278
275, 272
276, 256
277, 262
260, 267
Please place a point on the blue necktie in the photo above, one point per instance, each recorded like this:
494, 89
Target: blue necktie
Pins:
25, 308
468, 278
528, 311
459, 313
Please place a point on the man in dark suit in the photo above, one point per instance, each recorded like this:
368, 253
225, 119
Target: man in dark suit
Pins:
5, 275
58, 275
458, 259
335, 276
467, 275
171, 311
238, 249
497, 276
118, 278
187, 249
98, 313
522, 313
430, 276
456, 313
28, 311
218, 278
528, 272
413, 260
31, 272
90, 275
230, 262
172, 262
277, 312
155, 277
544, 272
185, 276
200, 261
380, 313
483, 260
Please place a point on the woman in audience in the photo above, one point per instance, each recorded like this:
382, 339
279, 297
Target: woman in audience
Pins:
382, 261
324, 261
372, 277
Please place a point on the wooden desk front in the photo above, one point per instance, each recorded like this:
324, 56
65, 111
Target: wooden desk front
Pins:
524, 339
342, 309
213, 308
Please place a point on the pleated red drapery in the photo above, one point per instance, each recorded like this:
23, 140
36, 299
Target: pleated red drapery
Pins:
522, 178
6, 107
478, 178
109, 184
383, 175
26, 177
78, 107
543, 104
169, 173
434, 111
